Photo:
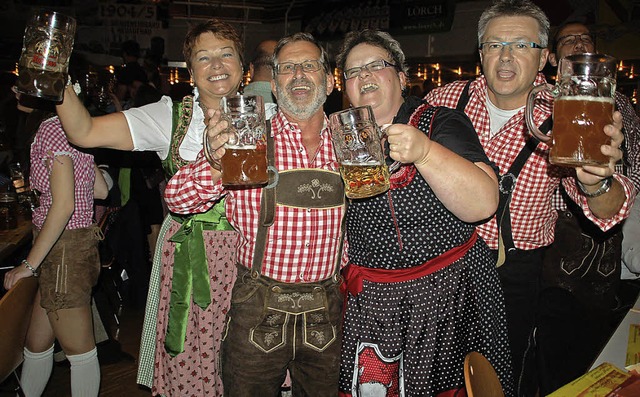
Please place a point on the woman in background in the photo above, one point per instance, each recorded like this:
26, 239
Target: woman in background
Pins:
65, 257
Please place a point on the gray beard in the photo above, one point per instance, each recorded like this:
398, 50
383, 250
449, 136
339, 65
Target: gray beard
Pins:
301, 111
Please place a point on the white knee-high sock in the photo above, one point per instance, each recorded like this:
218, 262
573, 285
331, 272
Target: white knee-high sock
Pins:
85, 374
36, 370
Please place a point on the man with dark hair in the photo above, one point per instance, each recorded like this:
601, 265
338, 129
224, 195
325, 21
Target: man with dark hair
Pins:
582, 268
512, 44
131, 74
260, 69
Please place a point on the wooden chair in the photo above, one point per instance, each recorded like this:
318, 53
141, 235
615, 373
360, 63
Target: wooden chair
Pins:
480, 378
15, 311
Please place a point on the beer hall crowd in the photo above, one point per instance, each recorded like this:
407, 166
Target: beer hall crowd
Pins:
303, 246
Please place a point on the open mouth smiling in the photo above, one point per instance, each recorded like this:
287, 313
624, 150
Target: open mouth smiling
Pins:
299, 88
218, 77
368, 88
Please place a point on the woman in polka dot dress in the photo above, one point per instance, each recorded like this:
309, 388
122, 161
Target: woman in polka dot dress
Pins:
423, 287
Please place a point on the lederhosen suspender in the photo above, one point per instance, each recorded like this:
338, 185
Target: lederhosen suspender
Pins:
282, 188
507, 183
267, 205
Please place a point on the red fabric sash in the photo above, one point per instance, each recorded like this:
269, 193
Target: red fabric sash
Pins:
354, 274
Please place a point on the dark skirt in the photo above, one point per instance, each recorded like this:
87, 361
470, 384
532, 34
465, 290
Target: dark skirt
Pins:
414, 335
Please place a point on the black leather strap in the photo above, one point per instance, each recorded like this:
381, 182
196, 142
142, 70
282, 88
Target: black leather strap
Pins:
507, 184
464, 97
267, 205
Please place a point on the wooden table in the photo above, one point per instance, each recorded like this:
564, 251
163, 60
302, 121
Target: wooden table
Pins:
13, 239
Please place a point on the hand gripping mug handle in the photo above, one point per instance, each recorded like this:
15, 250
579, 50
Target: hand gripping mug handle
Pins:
531, 99
207, 153
383, 133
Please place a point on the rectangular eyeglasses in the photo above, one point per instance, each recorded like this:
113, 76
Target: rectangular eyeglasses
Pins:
494, 47
572, 39
308, 66
370, 67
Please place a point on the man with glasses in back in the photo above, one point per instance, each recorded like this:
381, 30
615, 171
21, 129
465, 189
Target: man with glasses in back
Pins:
513, 38
286, 309
582, 299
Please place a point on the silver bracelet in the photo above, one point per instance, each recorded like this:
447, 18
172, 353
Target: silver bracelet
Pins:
605, 186
34, 271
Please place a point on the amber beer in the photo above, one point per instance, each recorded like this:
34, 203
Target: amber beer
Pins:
364, 179
244, 166
578, 130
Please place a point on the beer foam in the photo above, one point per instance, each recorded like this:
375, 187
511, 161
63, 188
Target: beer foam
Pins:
586, 98
360, 163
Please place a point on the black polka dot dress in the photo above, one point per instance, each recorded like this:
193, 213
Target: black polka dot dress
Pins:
410, 338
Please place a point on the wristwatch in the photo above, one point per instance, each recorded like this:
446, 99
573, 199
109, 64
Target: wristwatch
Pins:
605, 186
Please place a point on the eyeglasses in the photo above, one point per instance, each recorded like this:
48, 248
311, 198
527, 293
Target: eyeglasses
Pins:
572, 39
370, 67
495, 47
308, 66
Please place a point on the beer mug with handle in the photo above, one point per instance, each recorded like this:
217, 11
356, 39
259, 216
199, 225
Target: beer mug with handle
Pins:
357, 141
584, 98
244, 163
44, 63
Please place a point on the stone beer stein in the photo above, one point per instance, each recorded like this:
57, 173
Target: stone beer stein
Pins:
357, 141
584, 100
44, 63
245, 160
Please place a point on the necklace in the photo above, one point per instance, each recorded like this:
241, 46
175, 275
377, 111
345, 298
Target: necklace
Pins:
203, 107
204, 112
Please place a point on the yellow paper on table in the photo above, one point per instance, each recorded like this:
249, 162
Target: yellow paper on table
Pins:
598, 382
633, 346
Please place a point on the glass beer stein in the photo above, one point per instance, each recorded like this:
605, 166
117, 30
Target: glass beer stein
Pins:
245, 160
356, 140
584, 99
8, 211
44, 63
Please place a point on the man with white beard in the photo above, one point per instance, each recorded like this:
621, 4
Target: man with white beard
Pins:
286, 306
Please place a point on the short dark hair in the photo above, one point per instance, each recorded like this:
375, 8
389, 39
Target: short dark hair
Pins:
217, 27
131, 48
557, 30
131, 72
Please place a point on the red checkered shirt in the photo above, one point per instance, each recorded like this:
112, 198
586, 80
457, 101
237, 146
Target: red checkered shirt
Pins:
533, 217
49, 143
302, 244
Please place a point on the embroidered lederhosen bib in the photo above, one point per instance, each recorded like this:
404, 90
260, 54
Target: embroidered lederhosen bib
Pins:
300, 188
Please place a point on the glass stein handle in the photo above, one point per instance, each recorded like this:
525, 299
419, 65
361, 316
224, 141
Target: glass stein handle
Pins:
531, 99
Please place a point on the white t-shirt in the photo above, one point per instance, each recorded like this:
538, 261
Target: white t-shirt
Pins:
498, 117
151, 125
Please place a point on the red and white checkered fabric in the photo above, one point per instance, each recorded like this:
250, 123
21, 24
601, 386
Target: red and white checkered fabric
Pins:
49, 143
302, 244
533, 217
